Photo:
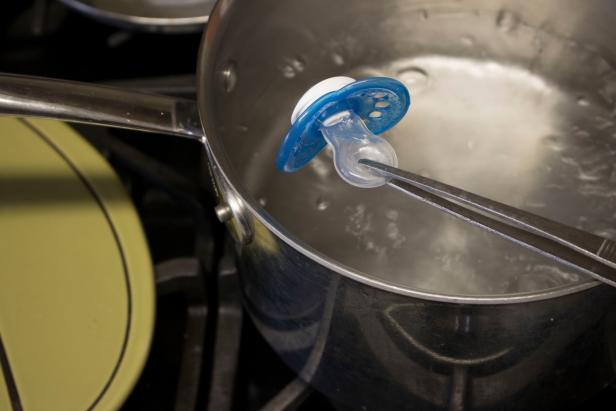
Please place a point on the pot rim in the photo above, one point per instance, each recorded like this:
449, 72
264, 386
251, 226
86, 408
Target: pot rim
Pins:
170, 24
218, 155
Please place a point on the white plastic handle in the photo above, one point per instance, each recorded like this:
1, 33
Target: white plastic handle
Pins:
317, 91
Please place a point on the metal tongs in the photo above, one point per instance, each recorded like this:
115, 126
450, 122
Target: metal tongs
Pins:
579, 249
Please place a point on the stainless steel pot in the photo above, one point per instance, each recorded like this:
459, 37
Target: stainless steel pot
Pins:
379, 302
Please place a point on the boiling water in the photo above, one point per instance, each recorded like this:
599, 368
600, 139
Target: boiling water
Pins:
533, 129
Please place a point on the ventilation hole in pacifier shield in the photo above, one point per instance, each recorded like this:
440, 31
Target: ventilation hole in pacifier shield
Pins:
382, 104
375, 114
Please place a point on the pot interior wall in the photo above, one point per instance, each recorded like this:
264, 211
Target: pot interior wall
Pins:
511, 100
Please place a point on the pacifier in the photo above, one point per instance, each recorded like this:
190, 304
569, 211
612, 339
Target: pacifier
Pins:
348, 115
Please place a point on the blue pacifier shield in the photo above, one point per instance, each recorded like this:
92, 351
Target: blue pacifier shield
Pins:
380, 102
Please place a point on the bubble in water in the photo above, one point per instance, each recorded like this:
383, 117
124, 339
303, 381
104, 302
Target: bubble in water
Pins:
394, 234
370, 245
262, 201
359, 221
589, 175
506, 20
467, 41
603, 123
298, 64
337, 59
569, 161
293, 66
608, 91
392, 215
582, 101
322, 204
415, 78
597, 190
360, 226
553, 142
288, 72
586, 173
321, 168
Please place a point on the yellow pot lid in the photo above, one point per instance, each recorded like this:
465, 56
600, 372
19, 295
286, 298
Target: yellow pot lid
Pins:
76, 282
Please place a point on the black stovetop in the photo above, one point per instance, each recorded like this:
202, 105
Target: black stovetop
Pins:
206, 354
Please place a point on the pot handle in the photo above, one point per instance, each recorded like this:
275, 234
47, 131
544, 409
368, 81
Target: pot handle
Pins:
93, 104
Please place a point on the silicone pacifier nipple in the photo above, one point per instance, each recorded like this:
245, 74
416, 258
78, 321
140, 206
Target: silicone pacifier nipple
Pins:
351, 141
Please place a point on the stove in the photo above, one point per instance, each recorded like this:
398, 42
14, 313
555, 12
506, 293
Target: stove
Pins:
205, 353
